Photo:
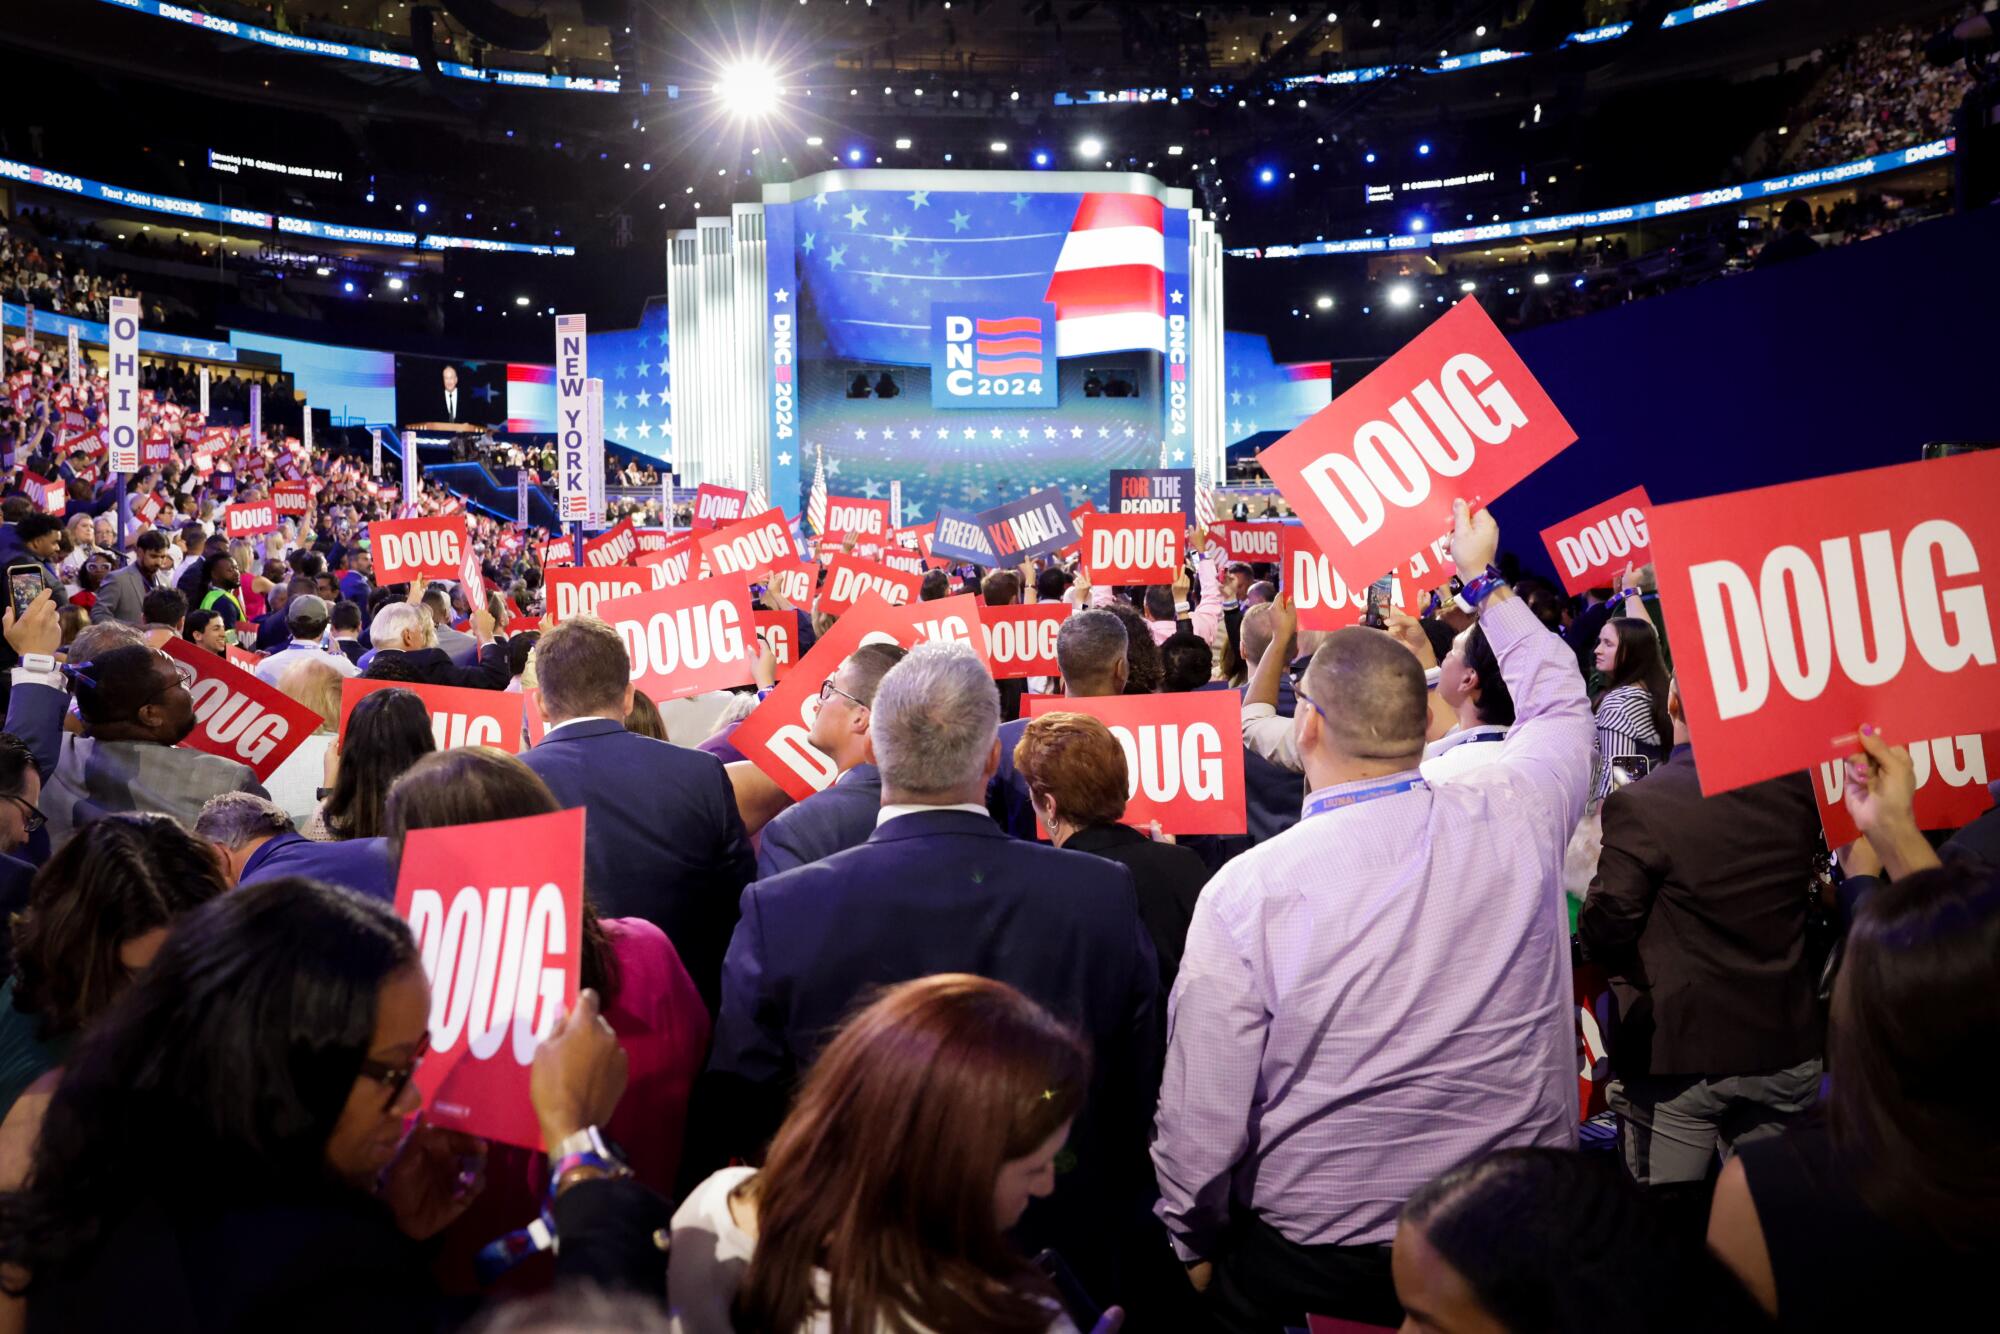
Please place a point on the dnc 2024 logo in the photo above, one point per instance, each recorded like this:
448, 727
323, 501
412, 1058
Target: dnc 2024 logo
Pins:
992, 355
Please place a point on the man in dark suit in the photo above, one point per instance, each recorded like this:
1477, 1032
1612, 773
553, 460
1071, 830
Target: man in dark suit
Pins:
1090, 651
259, 843
451, 403
406, 649
663, 839
1698, 912
844, 814
939, 888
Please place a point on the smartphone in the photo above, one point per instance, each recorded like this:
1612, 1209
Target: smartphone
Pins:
1628, 769
24, 584
1083, 1312
1944, 449
1379, 594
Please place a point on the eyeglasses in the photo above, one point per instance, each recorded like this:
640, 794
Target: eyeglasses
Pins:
827, 687
396, 1078
31, 817
1299, 692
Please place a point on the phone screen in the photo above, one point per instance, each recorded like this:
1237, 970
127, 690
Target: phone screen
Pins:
1628, 769
1379, 594
24, 585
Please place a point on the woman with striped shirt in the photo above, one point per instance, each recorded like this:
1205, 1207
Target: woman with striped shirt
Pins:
1632, 706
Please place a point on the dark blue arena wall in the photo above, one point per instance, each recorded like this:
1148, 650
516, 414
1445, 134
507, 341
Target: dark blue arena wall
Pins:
1851, 358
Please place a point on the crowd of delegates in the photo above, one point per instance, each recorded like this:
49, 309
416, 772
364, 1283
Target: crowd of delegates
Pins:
1878, 93
949, 1045
38, 275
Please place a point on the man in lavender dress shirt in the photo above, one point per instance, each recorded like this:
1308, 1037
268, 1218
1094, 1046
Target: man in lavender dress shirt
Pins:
1381, 991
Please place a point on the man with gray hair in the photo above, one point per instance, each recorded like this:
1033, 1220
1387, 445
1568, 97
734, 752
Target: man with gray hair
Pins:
939, 888
1090, 652
405, 635
258, 843
306, 617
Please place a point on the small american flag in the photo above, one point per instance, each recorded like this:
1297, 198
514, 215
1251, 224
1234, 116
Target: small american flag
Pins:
816, 498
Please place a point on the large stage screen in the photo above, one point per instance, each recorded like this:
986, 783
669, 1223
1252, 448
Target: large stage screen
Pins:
432, 390
976, 343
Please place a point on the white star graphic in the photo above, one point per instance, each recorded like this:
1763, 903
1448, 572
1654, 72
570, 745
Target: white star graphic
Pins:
836, 257
1176, 296
809, 242
618, 372
819, 201
1048, 433
898, 238
1235, 397
1078, 494
781, 296
1022, 433
1129, 433
645, 430
1253, 398
1076, 433
1179, 455
784, 460
645, 398
663, 367
915, 509
860, 434
857, 216
833, 468
619, 430
944, 433
666, 427
620, 400
871, 489
971, 434
996, 433
1103, 433
1236, 426
958, 221
888, 433
919, 198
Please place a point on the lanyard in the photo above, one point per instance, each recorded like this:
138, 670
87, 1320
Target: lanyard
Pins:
1337, 800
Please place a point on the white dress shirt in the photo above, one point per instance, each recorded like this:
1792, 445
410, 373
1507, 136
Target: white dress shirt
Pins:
888, 813
1460, 751
1383, 990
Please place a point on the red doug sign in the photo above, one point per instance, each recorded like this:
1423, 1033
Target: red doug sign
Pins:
497, 912
1593, 549
460, 715
615, 546
1324, 600
1951, 773
715, 506
1183, 756
1132, 548
238, 716
848, 578
863, 518
1259, 543
1798, 612
248, 518
779, 629
292, 497
687, 638
1021, 640
577, 592
751, 545
410, 549
1455, 413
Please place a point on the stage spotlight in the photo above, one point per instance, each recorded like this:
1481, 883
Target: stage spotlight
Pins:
1369, 158
1091, 147
369, 197
1466, 286
997, 146
1173, 150
458, 294
903, 144
1323, 303
814, 141
853, 155
1041, 158
748, 88
1423, 150
520, 301
1417, 223
1400, 295
347, 286
1541, 280
395, 284
1267, 176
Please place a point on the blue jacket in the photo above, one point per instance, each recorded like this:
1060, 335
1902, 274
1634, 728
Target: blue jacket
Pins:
949, 892
662, 838
1007, 793
823, 824
363, 865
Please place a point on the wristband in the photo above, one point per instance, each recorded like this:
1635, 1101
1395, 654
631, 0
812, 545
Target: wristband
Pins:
1476, 590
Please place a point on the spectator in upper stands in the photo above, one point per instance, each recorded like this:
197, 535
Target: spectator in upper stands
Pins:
135, 708
938, 887
1301, 1052
123, 596
388, 731
1879, 1208
1091, 651
1077, 780
664, 841
1698, 913
842, 815
1794, 239
405, 639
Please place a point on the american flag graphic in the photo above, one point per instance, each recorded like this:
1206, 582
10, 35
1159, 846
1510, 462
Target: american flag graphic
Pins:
1008, 347
816, 498
1110, 281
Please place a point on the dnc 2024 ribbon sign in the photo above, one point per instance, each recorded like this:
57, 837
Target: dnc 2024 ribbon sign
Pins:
993, 355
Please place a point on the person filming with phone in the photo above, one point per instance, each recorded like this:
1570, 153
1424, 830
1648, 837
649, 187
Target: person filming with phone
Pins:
1698, 912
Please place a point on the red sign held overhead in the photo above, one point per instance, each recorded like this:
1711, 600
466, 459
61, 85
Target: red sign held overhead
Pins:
291, 497
460, 715
1257, 543
1324, 600
615, 546
243, 657
1951, 774
1593, 549
952, 620
848, 578
654, 539
773, 737
779, 629
715, 506
577, 592
1454, 414
249, 518
1183, 756
1132, 548
409, 549
1799, 612
687, 638
794, 583
862, 518
49, 497
1021, 639
667, 568
497, 912
750, 546
238, 716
